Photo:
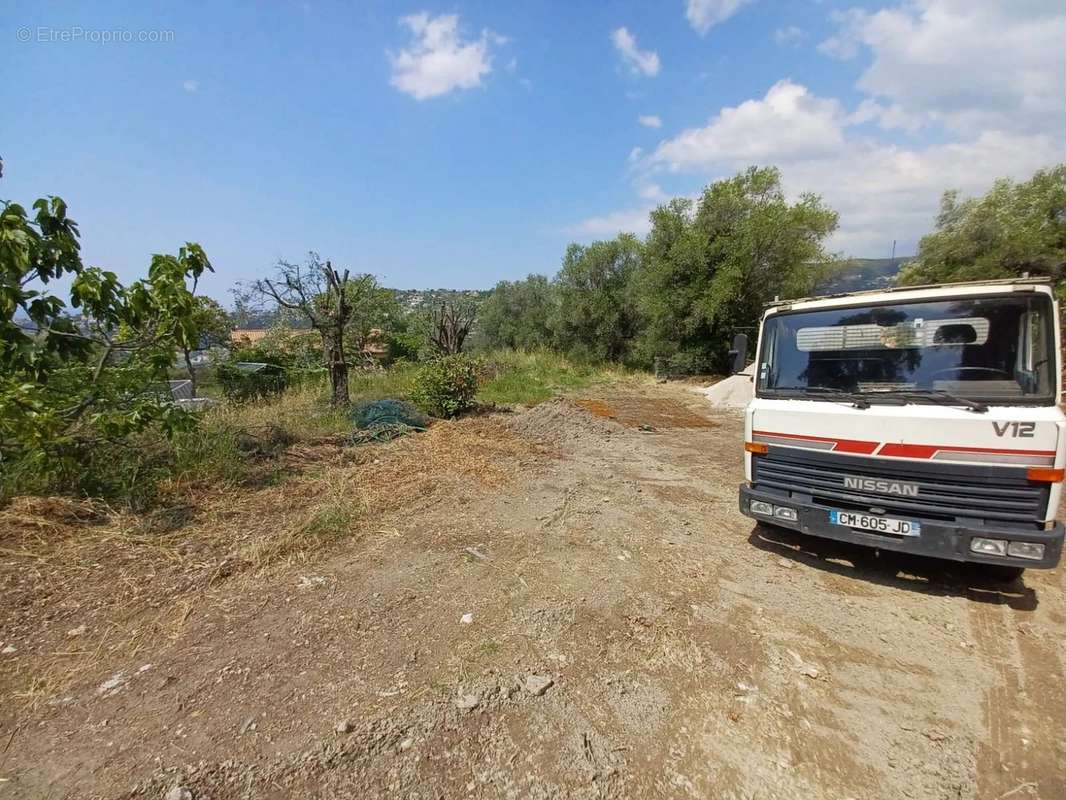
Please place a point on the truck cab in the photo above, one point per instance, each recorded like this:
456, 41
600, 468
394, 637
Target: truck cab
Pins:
923, 420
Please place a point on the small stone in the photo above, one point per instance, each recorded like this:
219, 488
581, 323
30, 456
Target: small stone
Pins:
344, 726
78, 631
803, 668
406, 743
786, 563
537, 685
466, 619
116, 683
9, 650
178, 793
467, 702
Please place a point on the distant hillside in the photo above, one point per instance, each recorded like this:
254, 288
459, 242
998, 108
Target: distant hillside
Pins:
860, 274
415, 299
410, 300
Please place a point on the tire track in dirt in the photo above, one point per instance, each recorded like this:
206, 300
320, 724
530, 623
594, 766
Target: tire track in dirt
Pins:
1023, 754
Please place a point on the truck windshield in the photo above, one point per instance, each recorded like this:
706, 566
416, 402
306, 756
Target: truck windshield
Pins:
988, 349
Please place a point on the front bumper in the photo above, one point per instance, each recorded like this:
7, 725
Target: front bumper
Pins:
937, 539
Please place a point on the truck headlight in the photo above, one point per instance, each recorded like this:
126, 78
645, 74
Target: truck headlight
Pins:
992, 547
760, 507
1031, 550
784, 512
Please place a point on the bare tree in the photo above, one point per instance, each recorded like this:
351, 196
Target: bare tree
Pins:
319, 293
449, 326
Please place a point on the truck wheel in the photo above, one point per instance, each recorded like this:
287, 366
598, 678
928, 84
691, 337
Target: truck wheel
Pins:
1002, 573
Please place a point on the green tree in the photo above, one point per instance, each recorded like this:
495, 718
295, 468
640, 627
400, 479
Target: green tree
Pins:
212, 329
1013, 229
376, 313
711, 266
68, 384
517, 314
596, 311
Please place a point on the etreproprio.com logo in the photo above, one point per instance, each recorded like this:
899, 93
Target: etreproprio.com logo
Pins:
77, 33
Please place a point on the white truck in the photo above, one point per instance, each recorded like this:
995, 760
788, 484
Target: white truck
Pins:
923, 420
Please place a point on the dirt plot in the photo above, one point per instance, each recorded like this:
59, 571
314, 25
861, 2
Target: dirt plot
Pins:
543, 604
645, 412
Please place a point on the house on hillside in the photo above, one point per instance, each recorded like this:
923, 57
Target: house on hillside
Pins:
242, 337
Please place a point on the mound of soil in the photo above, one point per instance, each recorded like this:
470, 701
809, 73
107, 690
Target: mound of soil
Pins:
561, 421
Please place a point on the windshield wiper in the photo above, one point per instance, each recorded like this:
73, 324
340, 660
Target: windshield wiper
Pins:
936, 395
856, 399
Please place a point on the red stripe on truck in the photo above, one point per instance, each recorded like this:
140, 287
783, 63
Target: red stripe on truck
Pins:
901, 450
839, 445
929, 450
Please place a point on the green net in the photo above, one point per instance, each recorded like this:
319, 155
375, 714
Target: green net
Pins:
382, 420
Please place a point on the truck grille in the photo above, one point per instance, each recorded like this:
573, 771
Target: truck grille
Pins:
951, 492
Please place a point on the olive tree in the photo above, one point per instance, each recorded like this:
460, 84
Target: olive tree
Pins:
710, 265
596, 313
1013, 229
320, 294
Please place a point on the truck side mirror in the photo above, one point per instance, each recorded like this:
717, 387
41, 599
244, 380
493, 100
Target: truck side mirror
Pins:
738, 356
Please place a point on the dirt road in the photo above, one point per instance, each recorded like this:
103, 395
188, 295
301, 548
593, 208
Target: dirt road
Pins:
588, 617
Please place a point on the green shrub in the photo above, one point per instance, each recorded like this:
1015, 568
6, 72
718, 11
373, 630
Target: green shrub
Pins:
447, 385
404, 345
125, 471
241, 385
686, 362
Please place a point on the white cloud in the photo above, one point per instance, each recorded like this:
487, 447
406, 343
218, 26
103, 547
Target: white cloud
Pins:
966, 64
438, 60
190, 86
843, 44
651, 191
643, 62
792, 35
633, 220
789, 122
635, 154
703, 15
650, 121
891, 117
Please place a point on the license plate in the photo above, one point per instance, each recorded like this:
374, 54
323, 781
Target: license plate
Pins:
872, 522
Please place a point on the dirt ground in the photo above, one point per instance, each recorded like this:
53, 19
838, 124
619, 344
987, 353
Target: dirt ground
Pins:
558, 602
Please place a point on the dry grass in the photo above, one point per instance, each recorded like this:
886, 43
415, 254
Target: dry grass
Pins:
452, 454
133, 580
301, 411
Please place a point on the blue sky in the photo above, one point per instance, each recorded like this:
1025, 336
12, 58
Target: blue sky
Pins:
460, 144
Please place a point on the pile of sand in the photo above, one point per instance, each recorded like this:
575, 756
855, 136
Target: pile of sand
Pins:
734, 392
